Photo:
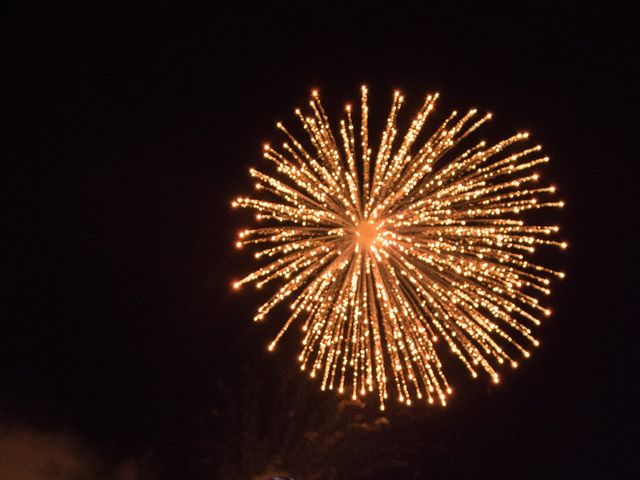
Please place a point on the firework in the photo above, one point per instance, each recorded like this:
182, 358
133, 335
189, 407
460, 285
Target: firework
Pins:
389, 257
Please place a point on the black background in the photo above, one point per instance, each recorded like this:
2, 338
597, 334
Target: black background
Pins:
128, 130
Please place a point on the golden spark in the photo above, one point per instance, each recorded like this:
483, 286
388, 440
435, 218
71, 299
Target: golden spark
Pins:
393, 255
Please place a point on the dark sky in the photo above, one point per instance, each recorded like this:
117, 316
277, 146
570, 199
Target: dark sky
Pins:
127, 131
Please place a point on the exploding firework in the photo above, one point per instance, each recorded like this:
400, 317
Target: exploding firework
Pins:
390, 256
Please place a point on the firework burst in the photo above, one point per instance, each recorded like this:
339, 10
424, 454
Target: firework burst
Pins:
390, 255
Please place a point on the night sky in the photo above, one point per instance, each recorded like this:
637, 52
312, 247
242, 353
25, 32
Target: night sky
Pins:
127, 130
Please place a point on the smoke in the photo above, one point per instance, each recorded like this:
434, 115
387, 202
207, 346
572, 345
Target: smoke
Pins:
284, 427
28, 454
